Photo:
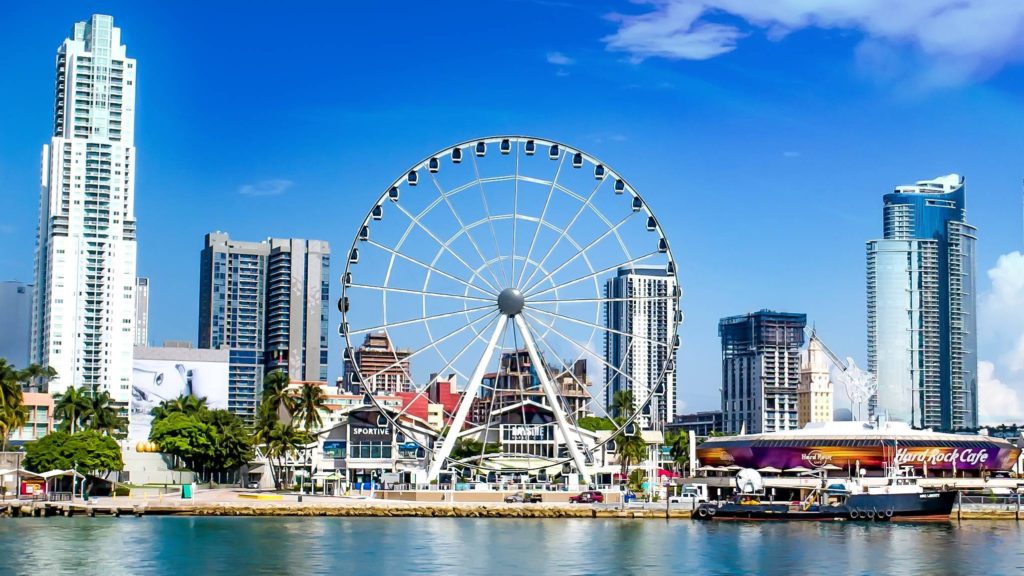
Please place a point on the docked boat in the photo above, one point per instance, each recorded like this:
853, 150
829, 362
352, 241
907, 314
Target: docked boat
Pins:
900, 498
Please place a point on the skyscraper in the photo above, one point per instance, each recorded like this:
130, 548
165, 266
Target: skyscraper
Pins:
922, 336
650, 367
84, 300
16, 322
142, 311
761, 370
267, 303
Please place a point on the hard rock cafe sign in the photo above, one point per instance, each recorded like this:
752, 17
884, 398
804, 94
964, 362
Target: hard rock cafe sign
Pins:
816, 458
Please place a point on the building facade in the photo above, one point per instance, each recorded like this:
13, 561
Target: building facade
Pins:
298, 279
702, 424
814, 392
922, 327
84, 302
385, 369
39, 421
761, 370
644, 366
142, 311
16, 320
266, 302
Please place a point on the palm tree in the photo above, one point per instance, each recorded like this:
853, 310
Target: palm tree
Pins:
308, 403
102, 416
187, 405
282, 441
632, 449
679, 448
11, 418
622, 404
70, 407
36, 376
275, 389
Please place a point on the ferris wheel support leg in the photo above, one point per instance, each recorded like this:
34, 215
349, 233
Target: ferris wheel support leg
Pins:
467, 402
552, 395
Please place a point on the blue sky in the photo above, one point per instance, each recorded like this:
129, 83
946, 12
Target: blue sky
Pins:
764, 137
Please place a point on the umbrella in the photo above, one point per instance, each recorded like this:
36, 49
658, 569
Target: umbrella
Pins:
769, 469
830, 467
662, 473
798, 469
733, 467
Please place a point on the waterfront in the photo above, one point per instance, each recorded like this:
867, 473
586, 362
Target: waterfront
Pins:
499, 546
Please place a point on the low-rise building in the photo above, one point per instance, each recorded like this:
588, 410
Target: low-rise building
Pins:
39, 408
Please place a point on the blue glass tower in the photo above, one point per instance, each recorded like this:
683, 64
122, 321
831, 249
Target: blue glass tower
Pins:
922, 337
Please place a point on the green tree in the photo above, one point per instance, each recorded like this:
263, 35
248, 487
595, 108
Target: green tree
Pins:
102, 416
188, 405
622, 404
308, 403
206, 442
595, 423
70, 408
679, 448
275, 390
87, 452
282, 442
12, 413
232, 445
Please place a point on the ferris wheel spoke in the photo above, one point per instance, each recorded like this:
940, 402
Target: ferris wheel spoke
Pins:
434, 343
450, 364
467, 400
570, 410
565, 231
458, 219
583, 348
490, 222
515, 217
597, 326
591, 300
583, 251
426, 266
561, 285
540, 221
418, 320
421, 292
445, 246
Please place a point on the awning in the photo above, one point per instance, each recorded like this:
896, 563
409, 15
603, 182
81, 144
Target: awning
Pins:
61, 473
22, 471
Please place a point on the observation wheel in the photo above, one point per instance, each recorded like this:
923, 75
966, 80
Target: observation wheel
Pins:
503, 291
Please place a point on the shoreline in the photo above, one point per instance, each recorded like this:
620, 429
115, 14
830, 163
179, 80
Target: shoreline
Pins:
378, 509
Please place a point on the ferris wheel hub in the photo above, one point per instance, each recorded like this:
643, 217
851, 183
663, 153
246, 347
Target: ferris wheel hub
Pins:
511, 301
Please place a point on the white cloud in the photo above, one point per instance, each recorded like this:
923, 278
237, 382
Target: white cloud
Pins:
959, 39
1001, 337
274, 187
998, 403
559, 59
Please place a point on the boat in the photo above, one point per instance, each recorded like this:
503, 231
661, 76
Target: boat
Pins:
900, 498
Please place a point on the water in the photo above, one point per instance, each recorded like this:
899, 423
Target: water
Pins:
111, 546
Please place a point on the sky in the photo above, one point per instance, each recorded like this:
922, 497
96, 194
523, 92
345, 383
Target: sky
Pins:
763, 135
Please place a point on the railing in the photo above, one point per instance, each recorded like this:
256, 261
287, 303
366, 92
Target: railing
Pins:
1010, 503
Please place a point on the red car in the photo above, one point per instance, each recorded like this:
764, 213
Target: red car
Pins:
588, 497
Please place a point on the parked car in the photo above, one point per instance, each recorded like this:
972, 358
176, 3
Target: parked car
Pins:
519, 498
588, 497
252, 485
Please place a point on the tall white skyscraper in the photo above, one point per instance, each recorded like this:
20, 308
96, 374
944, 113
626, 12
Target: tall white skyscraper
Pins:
84, 299
641, 359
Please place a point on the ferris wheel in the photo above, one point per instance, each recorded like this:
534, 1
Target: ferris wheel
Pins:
532, 281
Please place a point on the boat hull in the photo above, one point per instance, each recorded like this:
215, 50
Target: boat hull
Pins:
865, 507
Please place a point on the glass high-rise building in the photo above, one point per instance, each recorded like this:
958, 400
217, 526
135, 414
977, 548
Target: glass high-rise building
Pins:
650, 315
922, 336
267, 302
761, 371
83, 310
